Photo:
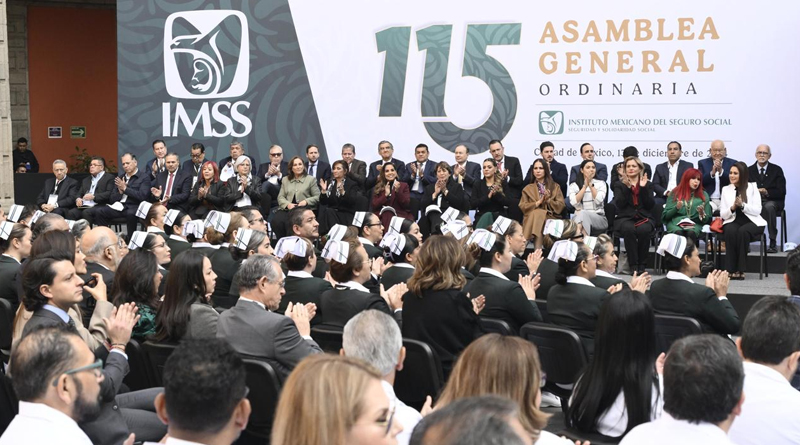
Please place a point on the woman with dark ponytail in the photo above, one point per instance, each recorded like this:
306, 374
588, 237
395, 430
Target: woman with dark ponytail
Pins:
574, 302
401, 250
506, 300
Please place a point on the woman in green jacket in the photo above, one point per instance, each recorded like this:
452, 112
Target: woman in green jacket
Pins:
688, 206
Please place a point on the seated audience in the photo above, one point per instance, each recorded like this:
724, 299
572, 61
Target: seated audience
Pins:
370, 232
554, 230
226, 168
574, 302
740, 209
59, 193
435, 309
505, 366
558, 171
171, 186
300, 260
687, 207
703, 379
510, 173
405, 226
155, 215
340, 196
101, 247
506, 300
271, 173
621, 387
130, 188
356, 169
254, 217
334, 400
248, 242
669, 174
155, 243
208, 193
607, 266
194, 165
771, 185
512, 230
298, 189
473, 421
401, 251
677, 294
633, 198
587, 196
374, 337
391, 197
205, 394
770, 346
386, 152
618, 172
54, 397
186, 310
222, 261
465, 172
587, 154
317, 168
350, 268
490, 195
421, 174
541, 200
15, 246
174, 222
95, 189
22, 154
715, 170
136, 281
443, 194
254, 330
244, 189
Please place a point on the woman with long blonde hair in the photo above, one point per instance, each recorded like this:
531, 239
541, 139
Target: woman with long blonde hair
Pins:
334, 400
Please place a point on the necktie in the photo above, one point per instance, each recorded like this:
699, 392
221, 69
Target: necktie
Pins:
55, 189
761, 176
168, 192
71, 324
500, 166
311, 169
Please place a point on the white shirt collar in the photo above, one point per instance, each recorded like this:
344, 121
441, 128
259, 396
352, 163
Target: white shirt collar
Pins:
603, 273
177, 238
493, 272
99, 175
12, 258
365, 241
403, 265
55, 418
299, 274
574, 279
58, 311
205, 244
674, 275
758, 370
253, 301
174, 441
154, 229
355, 286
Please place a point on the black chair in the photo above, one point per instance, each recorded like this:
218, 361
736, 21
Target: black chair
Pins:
421, 375
762, 255
156, 357
562, 355
265, 388
139, 375
784, 230
669, 328
9, 404
494, 325
330, 340
6, 329
542, 306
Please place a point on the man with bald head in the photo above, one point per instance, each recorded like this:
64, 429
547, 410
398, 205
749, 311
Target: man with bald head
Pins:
101, 247
715, 170
772, 187
465, 172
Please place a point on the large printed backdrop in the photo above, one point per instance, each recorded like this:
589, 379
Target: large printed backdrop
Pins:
311, 71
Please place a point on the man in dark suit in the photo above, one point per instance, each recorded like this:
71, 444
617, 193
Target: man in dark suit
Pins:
386, 152
316, 167
226, 169
95, 189
131, 188
370, 233
59, 193
668, 175
715, 170
772, 186
23, 155
587, 153
172, 186
254, 330
356, 169
558, 171
465, 172
195, 164
271, 173
101, 247
52, 287
158, 164
511, 171
421, 173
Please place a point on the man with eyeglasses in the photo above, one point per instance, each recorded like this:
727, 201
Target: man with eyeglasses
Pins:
772, 187
172, 187
370, 233
95, 190
271, 173
207, 407
715, 170
254, 330
195, 164
58, 382
59, 193
51, 286
254, 217
101, 247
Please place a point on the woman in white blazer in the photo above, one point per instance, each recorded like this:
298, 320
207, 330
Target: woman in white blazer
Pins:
740, 209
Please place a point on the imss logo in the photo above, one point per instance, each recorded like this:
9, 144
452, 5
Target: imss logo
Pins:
551, 122
206, 56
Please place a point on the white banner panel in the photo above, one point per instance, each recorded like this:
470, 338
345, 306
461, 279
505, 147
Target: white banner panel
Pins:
613, 74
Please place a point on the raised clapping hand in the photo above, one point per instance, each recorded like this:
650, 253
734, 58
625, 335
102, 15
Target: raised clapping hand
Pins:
718, 281
643, 180
299, 314
121, 323
394, 296
640, 283
529, 284
534, 260
323, 186
478, 303
615, 288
